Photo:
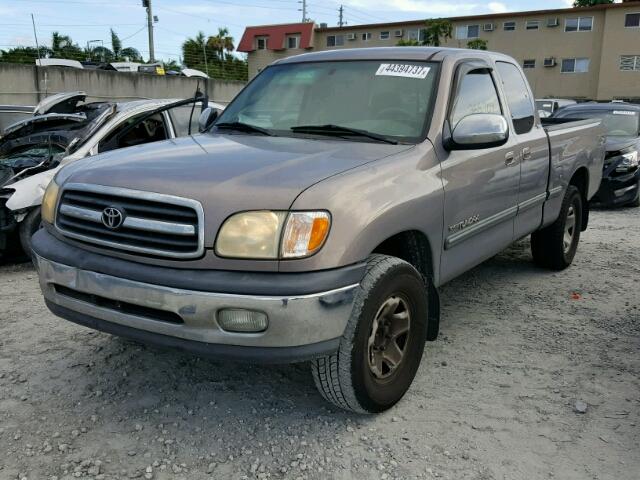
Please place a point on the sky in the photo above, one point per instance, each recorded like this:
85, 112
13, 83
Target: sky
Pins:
86, 20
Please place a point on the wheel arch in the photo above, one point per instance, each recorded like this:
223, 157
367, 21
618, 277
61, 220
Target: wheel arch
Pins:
580, 180
414, 247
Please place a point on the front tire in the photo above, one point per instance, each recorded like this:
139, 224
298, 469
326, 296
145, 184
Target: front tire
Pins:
555, 246
381, 348
29, 225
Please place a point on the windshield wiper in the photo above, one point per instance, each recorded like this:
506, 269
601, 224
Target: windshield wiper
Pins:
338, 130
243, 127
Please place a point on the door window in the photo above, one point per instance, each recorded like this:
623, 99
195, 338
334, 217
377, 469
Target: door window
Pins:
477, 94
180, 116
518, 98
152, 129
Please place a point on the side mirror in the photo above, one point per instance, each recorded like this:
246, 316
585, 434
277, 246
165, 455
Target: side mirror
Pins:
477, 131
207, 117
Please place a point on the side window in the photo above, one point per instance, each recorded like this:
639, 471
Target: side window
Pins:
152, 129
517, 93
180, 118
476, 94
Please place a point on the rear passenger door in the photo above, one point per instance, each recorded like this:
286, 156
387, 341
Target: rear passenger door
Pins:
480, 186
532, 152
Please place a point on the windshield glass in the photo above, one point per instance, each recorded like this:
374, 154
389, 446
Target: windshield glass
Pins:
30, 156
618, 123
389, 99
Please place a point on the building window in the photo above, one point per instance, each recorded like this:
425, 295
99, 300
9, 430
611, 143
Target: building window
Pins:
533, 24
575, 65
467, 31
531, 63
335, 40
366, 36
384, 35
261, 43
580, 24
293, 42
632, 20
416, 35
630, 63
509, 26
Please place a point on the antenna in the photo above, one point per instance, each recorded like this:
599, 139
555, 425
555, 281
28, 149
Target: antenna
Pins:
341, 22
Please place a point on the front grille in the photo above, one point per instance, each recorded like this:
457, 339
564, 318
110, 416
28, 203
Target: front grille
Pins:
147, 223
118, 306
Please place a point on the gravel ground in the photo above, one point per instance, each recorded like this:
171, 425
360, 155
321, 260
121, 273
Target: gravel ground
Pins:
501, 395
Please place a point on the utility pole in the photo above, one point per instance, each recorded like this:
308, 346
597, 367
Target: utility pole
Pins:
303, 10
341, 21
33, 21
147, 5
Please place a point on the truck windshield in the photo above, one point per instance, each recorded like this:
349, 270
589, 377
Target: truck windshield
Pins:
618, 123
389, 100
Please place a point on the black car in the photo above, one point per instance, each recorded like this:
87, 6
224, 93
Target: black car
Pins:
621, 176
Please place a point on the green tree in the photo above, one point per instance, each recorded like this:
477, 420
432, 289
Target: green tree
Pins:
221, 44
434, 33
437, 31
477, 44
590, 3
193, 50
63, 47
116, 44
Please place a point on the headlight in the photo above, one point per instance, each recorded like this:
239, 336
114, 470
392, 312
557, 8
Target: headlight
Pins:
272, 235
48, 210
629, 161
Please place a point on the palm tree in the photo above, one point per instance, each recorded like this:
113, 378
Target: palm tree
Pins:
63, 47
221, 43
193, 50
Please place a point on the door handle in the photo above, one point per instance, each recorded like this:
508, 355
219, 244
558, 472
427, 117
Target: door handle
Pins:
526, 153
509, 159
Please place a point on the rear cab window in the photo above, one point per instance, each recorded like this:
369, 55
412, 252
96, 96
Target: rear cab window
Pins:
520, 103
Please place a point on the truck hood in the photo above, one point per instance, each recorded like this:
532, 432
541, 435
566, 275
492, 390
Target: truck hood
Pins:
615, 144
268, 172
227, 173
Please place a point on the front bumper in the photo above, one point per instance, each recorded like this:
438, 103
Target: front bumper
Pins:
301, 326
618, 189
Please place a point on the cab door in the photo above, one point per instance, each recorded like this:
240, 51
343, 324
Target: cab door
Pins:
480, 185
532, 150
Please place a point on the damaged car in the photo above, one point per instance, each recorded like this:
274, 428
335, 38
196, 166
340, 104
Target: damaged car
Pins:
621, 175
65, 128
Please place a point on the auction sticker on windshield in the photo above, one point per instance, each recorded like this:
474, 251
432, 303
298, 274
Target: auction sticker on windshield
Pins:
403, 70
624, 112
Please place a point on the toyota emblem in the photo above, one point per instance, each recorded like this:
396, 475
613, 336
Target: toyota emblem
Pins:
112, 218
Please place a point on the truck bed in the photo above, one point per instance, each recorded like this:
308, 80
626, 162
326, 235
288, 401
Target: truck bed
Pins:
572, 142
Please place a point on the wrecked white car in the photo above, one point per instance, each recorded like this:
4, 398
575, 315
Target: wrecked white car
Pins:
64, 129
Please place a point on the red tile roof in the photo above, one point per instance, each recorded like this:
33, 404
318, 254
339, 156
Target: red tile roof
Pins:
276, 36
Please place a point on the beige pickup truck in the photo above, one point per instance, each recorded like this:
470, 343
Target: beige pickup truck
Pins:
317, 217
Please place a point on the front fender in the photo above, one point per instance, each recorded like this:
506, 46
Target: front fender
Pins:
371, 203
28, 192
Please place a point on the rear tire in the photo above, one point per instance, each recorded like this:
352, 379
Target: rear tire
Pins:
29, 225
381, 348
555, 246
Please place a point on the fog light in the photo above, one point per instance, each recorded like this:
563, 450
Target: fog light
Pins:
242, 321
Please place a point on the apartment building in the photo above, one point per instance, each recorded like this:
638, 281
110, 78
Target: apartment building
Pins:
583, 53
